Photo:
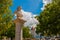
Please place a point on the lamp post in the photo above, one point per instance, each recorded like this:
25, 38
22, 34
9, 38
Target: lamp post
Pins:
19, 22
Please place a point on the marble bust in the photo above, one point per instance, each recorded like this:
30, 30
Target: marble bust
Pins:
19, 22
18, 12
19, 15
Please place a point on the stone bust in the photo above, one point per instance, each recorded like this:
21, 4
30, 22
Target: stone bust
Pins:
19, 16
18, 12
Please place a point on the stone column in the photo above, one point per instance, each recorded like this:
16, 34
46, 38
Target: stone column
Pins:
18, 32
19, 22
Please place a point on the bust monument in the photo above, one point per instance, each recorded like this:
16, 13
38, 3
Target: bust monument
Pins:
19, 22
19, 15
18, 12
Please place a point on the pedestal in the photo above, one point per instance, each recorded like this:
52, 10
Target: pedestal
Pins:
18, 29
18, 35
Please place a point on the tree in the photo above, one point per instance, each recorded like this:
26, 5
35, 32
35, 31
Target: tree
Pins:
11, 32
26, 33
5, 16
50, 19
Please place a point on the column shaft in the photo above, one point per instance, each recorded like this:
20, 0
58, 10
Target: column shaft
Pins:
18, 32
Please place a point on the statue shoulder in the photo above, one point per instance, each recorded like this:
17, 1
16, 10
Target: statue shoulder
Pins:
19, 14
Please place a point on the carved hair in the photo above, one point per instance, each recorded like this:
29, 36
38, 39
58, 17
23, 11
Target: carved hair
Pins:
19, 8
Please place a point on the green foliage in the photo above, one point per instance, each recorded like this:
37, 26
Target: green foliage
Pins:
11, 31
26, 33
50, 19
5, 15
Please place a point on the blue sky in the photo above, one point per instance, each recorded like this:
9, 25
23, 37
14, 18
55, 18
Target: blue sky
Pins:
33, 6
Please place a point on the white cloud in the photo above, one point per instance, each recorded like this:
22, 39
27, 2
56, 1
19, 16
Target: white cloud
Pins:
34, 15
45, 2
29, 17
43, 8
31, 22
26, 15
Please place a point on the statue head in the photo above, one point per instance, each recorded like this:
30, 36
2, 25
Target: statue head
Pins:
19, 8
18, 12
